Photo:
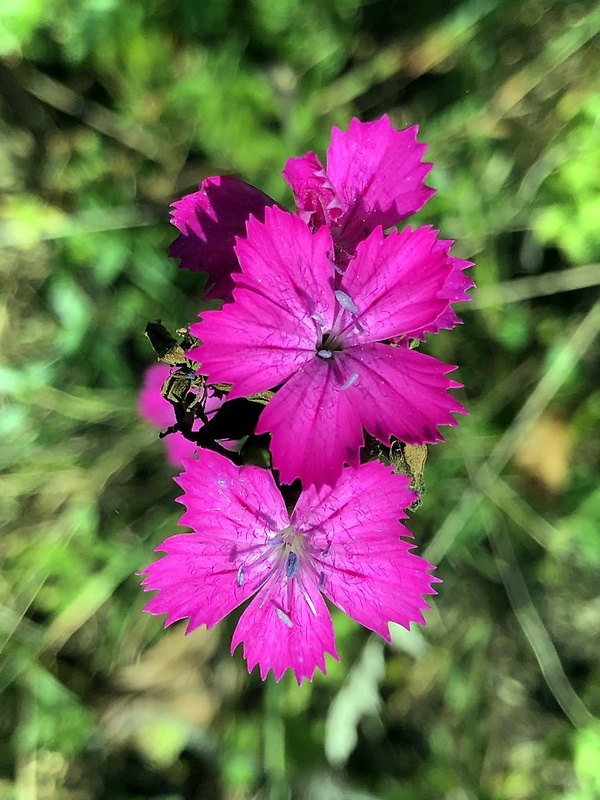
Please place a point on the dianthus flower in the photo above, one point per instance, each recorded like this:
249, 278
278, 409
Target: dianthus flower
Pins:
342, 542
374, 176
153, 407
327, 348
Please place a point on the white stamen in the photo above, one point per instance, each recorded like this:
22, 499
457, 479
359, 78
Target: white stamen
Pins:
284, 618
346, 302
350, 382
240, 576
318, 318
324, 353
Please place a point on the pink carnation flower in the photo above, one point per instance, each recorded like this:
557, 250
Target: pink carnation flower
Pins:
153, 407
342, 542
374, 176
324, 347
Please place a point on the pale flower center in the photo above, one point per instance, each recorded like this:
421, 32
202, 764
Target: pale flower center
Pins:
332, 341
291, 558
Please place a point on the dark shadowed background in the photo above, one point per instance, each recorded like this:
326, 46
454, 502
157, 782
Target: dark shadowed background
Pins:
111, 109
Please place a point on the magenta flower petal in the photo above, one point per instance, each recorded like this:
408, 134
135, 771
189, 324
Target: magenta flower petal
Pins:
285, 262
455, 289
378, 174
153, 407
283, 629
397, 283
238, 497
343, 503
209, 221
178, 447
272, 329
402, 393
314, 425
315, 196
342, 541
233, 511
374, 176
192, 569
251, 343
375, 578
457, 284
370, 594
387, 390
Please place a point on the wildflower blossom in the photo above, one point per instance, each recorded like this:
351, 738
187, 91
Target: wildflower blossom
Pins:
324, 346
153, 407
342, 542
374, 176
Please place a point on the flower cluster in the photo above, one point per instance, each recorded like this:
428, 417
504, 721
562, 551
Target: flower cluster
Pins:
322, 310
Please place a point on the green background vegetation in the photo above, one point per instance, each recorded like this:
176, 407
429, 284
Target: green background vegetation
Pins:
111, 109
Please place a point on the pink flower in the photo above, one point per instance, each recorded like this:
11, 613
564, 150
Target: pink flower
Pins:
323, 346
153, 407
374, 176
343, 542
209, 221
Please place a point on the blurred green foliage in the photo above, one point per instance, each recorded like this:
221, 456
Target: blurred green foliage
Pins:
111, 110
